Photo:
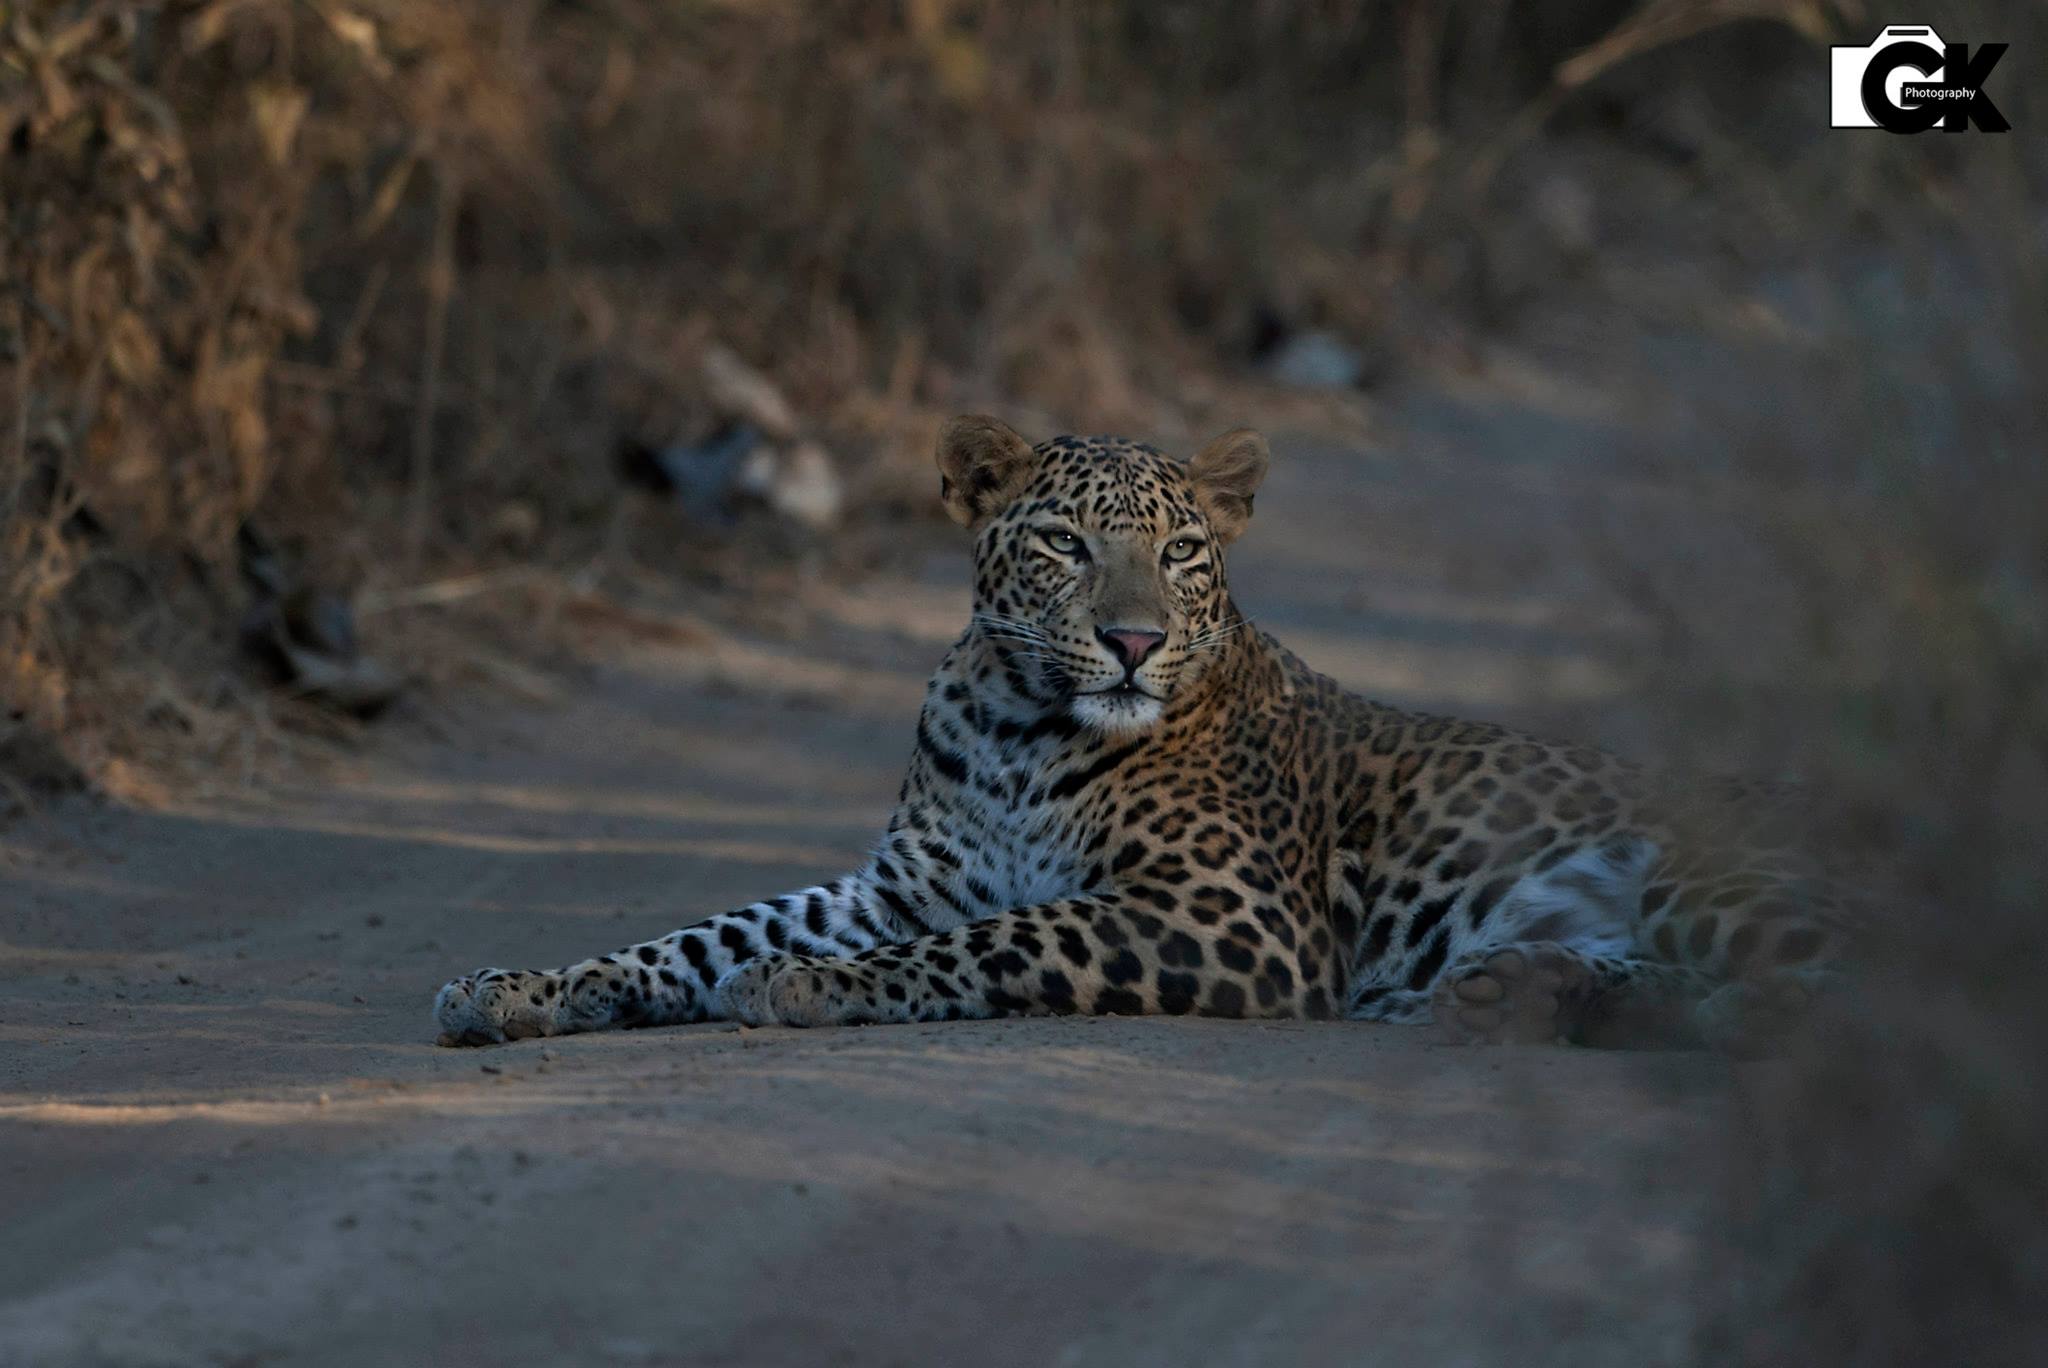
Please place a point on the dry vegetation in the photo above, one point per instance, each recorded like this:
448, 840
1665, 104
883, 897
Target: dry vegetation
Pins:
390, 281
1883, 632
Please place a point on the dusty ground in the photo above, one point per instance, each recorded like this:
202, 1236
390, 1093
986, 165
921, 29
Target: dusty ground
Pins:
226, 1136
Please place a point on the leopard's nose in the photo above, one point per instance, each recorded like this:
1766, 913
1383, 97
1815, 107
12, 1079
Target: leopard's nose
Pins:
1131, 645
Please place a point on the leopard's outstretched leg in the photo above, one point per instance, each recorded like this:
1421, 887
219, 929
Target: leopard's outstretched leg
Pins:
1543, 991
1755, 1018
1107, 953
668, 981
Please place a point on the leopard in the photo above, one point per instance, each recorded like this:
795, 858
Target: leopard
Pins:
1124, 798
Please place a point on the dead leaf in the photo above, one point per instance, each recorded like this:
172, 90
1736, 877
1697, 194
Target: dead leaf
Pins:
359, 32
279, 111
389, 191
132, 349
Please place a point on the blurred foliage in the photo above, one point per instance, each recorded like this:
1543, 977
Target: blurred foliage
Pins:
386, 277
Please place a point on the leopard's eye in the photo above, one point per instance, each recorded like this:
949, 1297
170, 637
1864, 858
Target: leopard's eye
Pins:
1066, 543
1181, 548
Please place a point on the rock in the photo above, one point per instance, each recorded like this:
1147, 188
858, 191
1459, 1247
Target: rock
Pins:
306, 637
516, 525
754, 454
701, 475
1316, 360
322, 622
359, 686
739, 391
798, 482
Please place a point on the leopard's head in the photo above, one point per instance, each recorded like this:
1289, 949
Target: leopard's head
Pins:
1098, 562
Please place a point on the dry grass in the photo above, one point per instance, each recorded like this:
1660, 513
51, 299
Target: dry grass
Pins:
390, 281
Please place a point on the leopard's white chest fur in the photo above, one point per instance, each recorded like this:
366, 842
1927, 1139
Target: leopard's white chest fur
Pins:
1016, 853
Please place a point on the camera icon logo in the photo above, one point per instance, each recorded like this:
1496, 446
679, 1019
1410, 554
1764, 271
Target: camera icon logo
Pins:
1908, 80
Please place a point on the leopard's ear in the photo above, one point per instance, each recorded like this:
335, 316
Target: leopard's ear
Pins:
1227, 473
983, 464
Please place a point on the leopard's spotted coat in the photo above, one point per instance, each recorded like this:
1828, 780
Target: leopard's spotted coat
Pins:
1202, 823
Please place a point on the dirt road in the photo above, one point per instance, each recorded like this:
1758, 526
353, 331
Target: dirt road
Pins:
227, 1138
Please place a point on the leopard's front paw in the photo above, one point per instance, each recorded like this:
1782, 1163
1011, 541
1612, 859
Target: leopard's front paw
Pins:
1528, 994
774, 989
492, 1006
1755, 1019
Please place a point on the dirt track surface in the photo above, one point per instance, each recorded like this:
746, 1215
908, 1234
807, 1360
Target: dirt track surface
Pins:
226, 1136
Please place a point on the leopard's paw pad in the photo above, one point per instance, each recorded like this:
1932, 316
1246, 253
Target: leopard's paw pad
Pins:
1520, 995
